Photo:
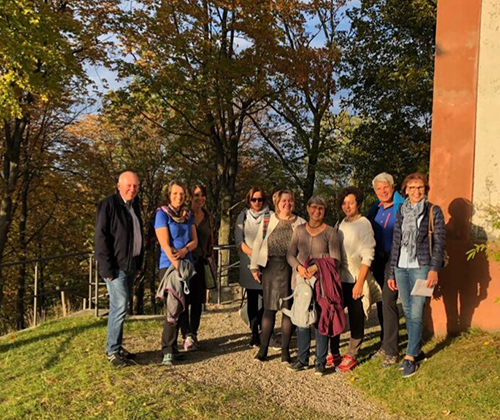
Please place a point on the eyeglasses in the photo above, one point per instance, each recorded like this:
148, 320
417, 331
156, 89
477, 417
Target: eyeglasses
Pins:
421, 188
199, 195
257, 200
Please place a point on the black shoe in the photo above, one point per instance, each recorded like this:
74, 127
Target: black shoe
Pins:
297, 366
116, 360
255, 341
285, 357
125, 354
320, 370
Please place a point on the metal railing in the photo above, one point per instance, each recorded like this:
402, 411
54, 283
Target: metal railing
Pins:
95, 282
38, 261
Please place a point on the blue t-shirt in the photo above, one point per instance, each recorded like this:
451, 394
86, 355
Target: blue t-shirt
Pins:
384, 227
179, 235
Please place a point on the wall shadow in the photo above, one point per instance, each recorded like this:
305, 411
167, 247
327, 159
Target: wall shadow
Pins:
463, 284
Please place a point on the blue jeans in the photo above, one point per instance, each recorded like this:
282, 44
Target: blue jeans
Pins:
413, 306
304, 346
120, 290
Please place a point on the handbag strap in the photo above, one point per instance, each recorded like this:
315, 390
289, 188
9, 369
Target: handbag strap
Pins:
431, 228
243, 296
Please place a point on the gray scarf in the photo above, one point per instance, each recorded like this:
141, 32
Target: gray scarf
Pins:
409, 228
257, 215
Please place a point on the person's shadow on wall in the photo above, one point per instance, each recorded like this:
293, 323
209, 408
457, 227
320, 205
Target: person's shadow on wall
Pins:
463, 284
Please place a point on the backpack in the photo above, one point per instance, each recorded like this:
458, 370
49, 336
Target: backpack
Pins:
303, 313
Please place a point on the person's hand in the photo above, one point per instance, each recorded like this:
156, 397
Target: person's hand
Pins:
303, 272
312, 270
182, 253
256, 276
357, 291
391, 284
432, 279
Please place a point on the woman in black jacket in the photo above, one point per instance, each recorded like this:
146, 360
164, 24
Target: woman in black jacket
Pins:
416, 255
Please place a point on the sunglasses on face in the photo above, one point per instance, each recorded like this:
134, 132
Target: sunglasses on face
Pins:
257, 200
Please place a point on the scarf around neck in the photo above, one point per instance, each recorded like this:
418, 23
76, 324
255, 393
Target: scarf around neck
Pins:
409, 227
258, 215
179, 216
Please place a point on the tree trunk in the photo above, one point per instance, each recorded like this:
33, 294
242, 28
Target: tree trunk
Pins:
13, 139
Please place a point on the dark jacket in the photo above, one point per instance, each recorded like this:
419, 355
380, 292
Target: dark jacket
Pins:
423, 254
114, 236
328, 291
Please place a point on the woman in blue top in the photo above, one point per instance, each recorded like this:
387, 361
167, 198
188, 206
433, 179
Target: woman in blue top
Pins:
176, 233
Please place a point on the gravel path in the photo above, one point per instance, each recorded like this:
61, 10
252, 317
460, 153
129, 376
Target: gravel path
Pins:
226, 359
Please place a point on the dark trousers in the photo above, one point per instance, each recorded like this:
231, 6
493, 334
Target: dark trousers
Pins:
169, 335
356, 323
254, 314
390, 314
189, 320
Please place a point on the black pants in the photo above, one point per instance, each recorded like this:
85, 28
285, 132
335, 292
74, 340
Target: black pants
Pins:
356, 323
388, 308
189, 320
254, 314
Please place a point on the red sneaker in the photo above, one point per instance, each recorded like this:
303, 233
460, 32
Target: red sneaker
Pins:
348, 363
333, 360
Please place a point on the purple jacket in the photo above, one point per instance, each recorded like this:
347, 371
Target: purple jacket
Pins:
328, 290
423, 254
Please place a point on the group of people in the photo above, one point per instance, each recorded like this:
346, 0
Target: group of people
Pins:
308, 269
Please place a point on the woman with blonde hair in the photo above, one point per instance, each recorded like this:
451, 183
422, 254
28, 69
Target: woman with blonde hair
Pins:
269, 266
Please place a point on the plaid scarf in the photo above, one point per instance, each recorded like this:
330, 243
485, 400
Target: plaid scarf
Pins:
179, 216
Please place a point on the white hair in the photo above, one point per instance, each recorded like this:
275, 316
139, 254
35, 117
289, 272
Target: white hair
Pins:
383, 177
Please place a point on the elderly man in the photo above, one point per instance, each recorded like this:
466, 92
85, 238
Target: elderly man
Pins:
118, 249
382, 215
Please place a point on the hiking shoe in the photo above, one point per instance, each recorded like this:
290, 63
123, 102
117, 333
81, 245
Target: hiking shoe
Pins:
116, 360
188, 343
275, 343
168, 360
333, 360
297, 366
419, 359
389, 361
348, 363
125, 354
320, 370
380, 354
409, 368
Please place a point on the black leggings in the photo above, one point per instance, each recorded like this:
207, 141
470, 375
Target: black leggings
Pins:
254, 313
189, 320
268, 320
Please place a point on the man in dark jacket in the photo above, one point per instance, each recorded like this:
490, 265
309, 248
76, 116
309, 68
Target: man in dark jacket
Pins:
118, 249
382, 216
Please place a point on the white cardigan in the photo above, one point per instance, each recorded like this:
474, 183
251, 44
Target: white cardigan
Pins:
259, 248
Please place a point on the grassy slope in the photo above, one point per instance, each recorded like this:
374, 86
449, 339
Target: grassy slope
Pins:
58, 371
461, 380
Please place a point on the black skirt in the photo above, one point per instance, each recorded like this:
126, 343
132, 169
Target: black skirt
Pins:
276, 282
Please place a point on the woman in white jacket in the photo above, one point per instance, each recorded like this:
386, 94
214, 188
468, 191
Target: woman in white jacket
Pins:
269, 255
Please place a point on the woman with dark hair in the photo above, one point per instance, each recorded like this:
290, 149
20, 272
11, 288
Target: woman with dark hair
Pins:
270, 268
189, 320
176, 233
359, 288
245, 232
314, 240
417, 254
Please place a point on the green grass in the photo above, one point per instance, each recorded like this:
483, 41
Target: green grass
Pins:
461, 380
58, 371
